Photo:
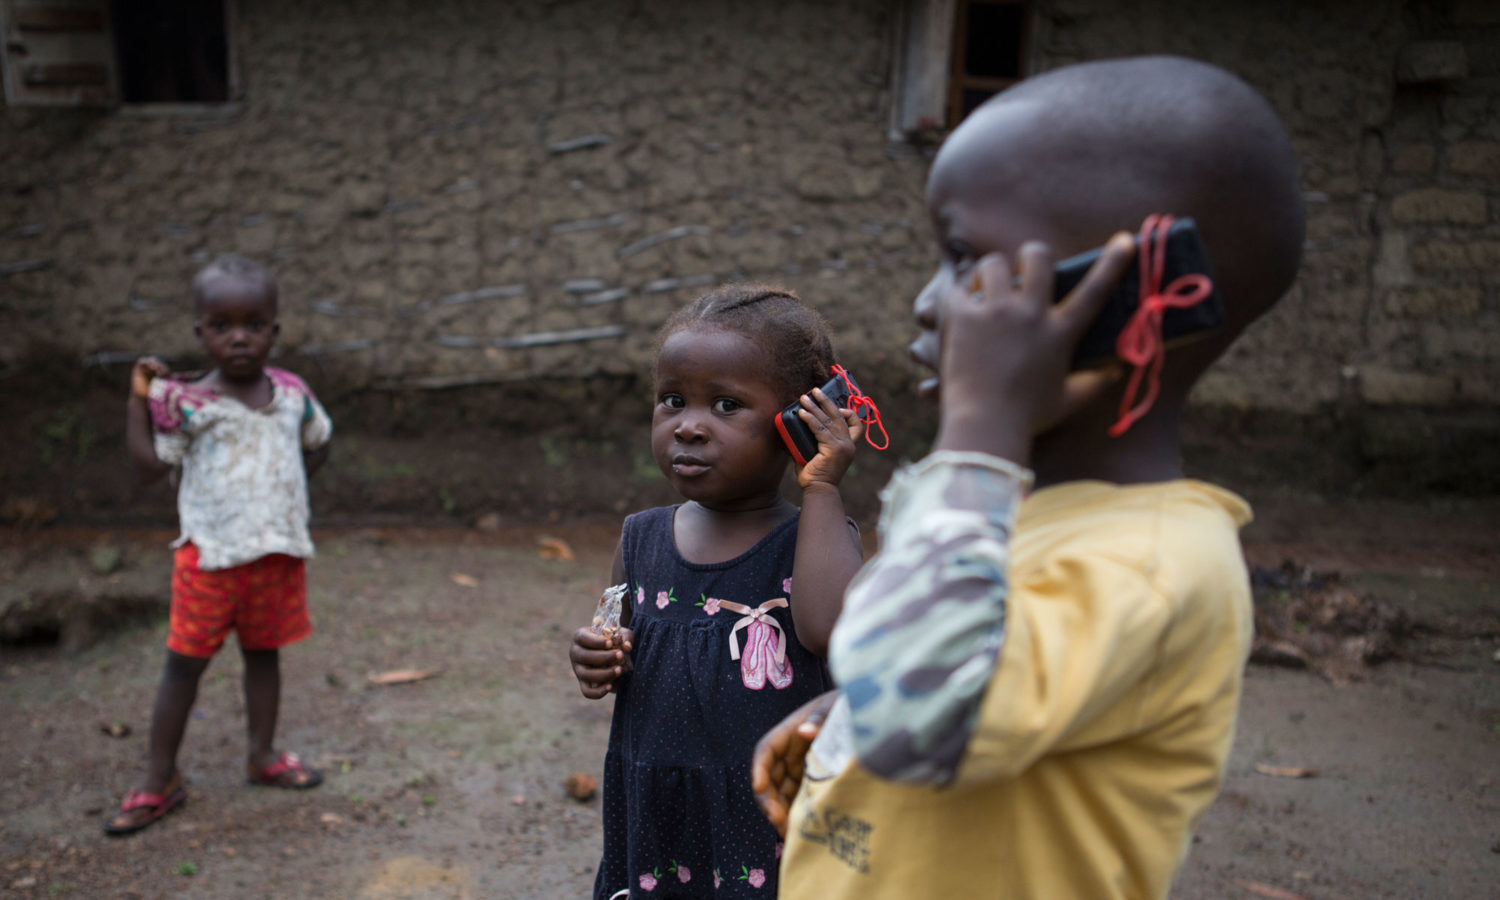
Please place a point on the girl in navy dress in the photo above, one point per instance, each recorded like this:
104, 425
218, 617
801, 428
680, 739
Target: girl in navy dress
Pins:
731, 597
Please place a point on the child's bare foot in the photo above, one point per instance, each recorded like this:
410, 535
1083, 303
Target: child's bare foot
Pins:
142, 808
282, 770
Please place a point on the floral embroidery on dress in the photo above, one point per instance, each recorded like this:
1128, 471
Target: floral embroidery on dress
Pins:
683, 875
648, 882
664, 597
786, 586
640, 594
710, 604
756, 877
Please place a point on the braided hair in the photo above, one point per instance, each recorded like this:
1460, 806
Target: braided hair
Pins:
792, 337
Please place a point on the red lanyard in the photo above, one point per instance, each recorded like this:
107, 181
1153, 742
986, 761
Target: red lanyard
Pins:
1140, 342
865, 408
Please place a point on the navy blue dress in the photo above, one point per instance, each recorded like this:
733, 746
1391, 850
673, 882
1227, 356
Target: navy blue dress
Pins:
679, 817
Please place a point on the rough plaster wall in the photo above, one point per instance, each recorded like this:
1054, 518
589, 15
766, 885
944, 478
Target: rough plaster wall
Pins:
403, 167
392, 162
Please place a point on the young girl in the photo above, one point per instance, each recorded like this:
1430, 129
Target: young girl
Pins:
732, 596
245, 437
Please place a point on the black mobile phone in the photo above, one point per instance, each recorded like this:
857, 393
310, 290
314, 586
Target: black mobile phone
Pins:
1185, 254
798, 438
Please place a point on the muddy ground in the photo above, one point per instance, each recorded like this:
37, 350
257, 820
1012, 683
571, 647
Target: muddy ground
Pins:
453, 786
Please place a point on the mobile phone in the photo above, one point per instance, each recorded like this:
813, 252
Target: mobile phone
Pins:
799, 438
1185, 254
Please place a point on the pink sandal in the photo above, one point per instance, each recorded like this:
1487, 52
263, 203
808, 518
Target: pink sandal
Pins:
158, 804
287, 772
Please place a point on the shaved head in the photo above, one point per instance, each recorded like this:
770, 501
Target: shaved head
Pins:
232, 272
1087, 150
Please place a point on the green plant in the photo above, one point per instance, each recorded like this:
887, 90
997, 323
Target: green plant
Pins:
67, 431
552, 454
187, 868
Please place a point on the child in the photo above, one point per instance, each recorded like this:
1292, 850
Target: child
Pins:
732, 597
245, 437
1040, 694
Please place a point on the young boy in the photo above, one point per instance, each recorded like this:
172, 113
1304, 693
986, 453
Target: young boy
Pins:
1039, 694
246, 437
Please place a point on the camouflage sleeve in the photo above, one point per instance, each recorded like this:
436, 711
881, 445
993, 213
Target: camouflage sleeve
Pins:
924, 620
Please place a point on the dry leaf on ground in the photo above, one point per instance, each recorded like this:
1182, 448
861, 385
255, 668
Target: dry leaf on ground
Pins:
581, 786
553, 548
403, 676
1265, 890
1286, 771
468, 581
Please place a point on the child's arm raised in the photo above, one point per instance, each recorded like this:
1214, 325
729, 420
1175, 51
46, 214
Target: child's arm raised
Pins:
828, 550
599, 660
138, 438
927, 619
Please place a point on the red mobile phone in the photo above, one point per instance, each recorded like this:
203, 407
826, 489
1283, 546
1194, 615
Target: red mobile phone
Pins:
798, 438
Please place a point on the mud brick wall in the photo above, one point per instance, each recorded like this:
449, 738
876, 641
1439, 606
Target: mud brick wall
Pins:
461, 193
466, 192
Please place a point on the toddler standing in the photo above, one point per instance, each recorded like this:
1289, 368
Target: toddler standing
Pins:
732, 597
245, 437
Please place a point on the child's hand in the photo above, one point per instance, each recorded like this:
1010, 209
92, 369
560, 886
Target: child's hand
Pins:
598, 661
146, 368
776, 768
837, 430
1006, 350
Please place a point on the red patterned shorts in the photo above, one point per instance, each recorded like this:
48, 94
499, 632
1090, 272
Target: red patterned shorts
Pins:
264, 602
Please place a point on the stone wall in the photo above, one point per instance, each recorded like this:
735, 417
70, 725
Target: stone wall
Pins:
467, 193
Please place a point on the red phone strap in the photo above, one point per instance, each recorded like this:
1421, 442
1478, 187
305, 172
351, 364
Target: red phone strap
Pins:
865, 408
1140, 342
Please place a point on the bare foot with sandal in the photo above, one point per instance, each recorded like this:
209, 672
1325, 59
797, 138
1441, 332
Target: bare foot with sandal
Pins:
284, 770
142, 808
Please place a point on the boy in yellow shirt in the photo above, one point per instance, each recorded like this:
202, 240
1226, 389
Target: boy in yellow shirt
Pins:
1038, 691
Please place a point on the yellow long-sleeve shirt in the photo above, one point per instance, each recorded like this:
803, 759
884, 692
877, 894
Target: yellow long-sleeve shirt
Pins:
1105, 707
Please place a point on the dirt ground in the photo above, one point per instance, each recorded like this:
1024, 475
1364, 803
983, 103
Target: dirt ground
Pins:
452, 787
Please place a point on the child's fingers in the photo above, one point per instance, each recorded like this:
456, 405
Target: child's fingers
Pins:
1084, 303
855, 424
1035, 261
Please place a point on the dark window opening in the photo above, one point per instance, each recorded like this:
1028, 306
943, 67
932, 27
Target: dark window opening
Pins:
172, 51
989, 53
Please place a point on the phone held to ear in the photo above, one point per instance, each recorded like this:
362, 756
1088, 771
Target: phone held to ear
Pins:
845, 393
1185, 254
795, 433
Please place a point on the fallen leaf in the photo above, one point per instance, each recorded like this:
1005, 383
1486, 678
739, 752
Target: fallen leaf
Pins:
329, 818
228, 851
115, 729
403, 676
1286, 771
581, 786
23, 883
1265, 890
518, 800
468, 581
553, 548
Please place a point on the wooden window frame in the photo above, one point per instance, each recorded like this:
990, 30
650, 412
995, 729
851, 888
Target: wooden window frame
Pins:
958, 82
93, 79
926, 81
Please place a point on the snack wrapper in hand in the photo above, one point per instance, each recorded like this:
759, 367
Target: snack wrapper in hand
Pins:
607, 616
